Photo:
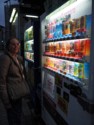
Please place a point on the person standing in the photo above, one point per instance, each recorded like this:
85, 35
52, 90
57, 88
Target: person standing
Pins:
13, 85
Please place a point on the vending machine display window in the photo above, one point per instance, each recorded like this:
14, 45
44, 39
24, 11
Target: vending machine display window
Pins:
29, 44
67, 39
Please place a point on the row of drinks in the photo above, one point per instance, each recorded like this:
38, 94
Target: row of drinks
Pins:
79, 70
28, 35
28, 46
70, 48
29, 56
66, 27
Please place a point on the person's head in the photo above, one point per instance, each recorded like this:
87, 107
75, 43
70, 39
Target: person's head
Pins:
13, 45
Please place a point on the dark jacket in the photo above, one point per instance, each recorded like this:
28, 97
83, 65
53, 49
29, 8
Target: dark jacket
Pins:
10, 73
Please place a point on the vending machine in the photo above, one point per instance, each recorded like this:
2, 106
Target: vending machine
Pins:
32, 50
33, 60
68, 64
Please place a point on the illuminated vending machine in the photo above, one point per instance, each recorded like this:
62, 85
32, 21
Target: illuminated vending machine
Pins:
68, 64
32, 55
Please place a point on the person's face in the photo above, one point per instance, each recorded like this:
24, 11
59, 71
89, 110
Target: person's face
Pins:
14, 46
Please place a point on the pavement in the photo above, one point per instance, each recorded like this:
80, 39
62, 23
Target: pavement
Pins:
29, 116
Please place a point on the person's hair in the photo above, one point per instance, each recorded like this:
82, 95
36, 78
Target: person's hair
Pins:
9, 41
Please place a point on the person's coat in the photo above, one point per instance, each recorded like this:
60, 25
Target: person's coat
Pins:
10, 73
